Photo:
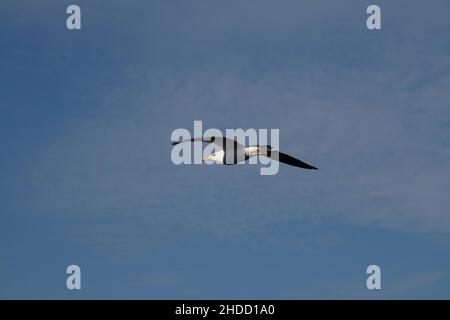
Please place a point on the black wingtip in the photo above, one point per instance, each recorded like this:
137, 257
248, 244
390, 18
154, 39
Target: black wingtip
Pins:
174, 143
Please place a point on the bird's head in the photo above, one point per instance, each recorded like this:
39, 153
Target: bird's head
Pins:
212, 157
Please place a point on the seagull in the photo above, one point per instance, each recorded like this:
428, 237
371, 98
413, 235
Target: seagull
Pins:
232, 152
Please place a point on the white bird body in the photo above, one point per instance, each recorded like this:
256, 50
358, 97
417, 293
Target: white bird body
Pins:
242, 154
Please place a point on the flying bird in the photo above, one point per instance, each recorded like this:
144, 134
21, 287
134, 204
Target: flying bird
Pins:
230, 151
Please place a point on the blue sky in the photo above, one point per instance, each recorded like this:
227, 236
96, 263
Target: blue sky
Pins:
85, 170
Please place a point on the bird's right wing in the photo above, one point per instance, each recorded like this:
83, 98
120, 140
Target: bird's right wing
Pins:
287, 159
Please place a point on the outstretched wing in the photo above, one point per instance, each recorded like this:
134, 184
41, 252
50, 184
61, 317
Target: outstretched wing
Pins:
285, 158
222, 142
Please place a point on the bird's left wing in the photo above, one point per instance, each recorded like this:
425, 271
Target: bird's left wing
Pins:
221, 142
202, 139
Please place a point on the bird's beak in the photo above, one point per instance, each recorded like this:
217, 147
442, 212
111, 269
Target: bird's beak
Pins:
206, 158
